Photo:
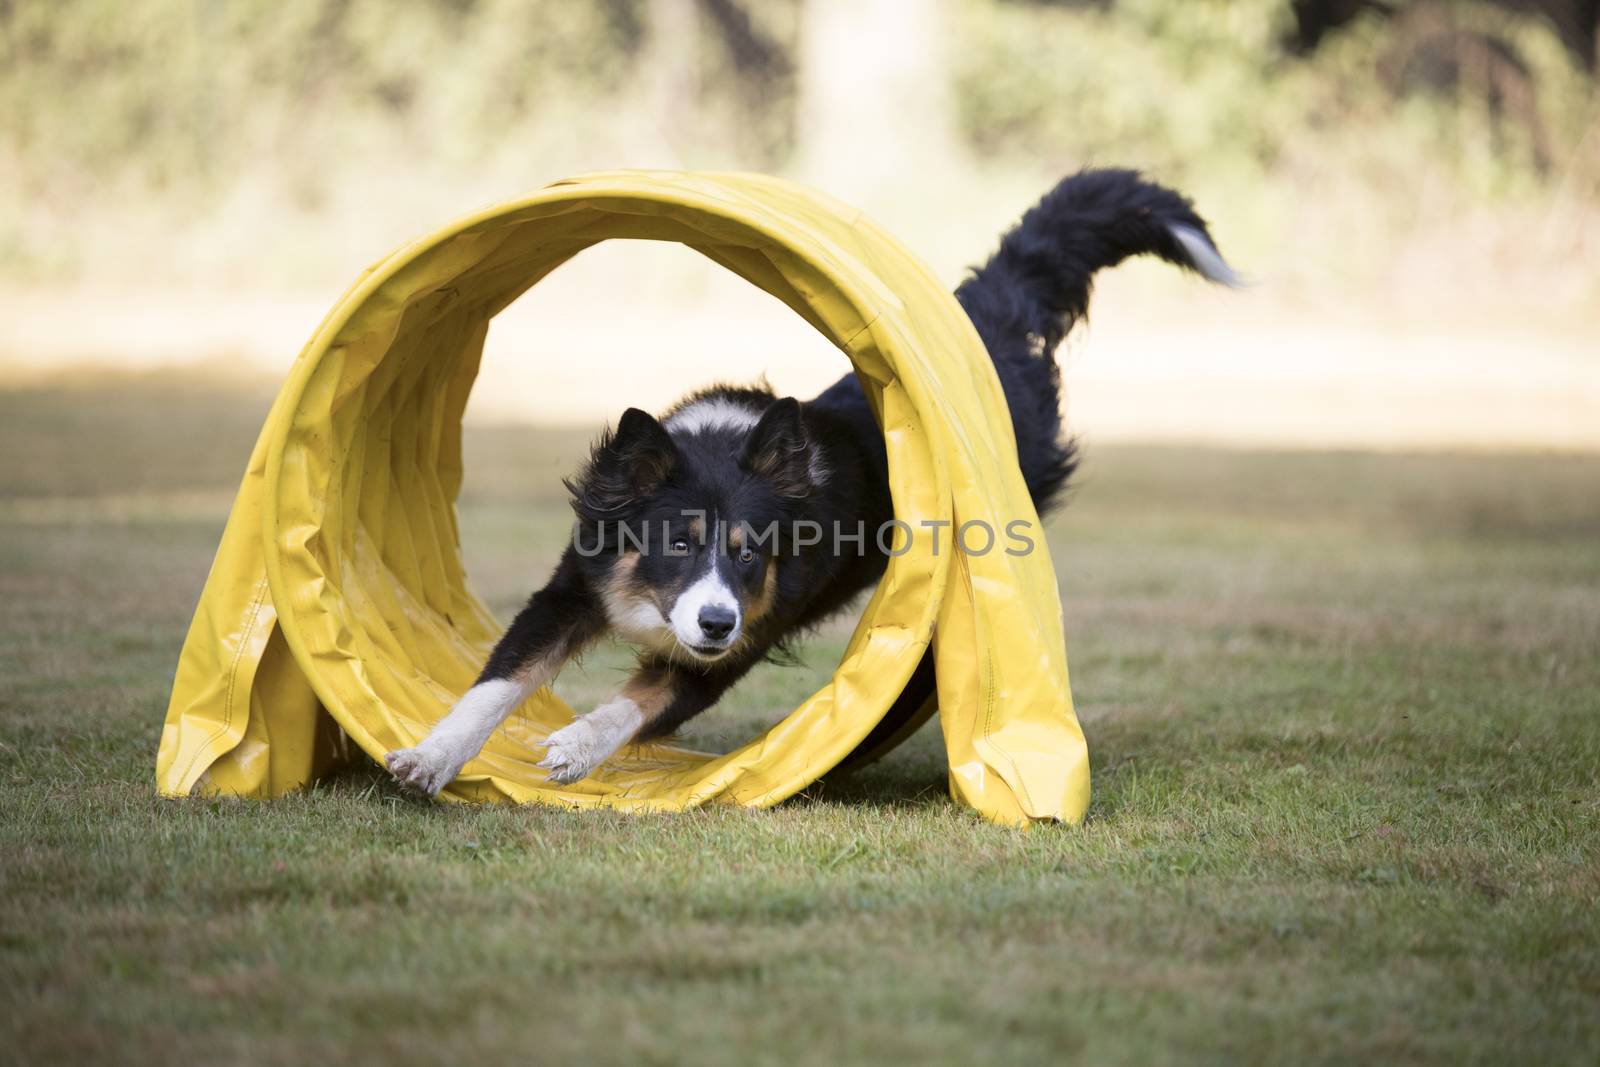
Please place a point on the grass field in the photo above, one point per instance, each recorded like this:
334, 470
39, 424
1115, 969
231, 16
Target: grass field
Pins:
1344, 711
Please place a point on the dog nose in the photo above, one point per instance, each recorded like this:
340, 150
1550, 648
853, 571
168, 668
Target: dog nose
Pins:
717, 622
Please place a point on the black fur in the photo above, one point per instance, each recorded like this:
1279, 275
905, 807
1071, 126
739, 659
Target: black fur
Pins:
1036, 287
765, 460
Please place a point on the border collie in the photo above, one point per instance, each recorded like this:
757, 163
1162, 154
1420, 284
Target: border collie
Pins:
701, 536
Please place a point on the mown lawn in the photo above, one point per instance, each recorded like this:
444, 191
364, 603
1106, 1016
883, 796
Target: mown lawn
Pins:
1344, 711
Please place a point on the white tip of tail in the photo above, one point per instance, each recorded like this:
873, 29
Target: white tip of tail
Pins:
1205, 257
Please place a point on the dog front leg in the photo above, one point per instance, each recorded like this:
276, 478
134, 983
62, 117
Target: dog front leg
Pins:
556, 623
656, 700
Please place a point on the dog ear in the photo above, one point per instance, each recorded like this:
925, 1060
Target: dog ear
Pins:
779, 449
627, 463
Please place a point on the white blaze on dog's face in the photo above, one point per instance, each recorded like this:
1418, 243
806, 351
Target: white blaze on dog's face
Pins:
693, 589
692, 506
688, 591
707, 617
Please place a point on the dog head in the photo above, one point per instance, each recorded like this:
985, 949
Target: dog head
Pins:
684, 520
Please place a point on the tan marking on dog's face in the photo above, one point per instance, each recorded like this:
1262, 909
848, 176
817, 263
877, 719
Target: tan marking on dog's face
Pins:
736, 537
697, 531
618, 581
624, 568
631, 609
769, 592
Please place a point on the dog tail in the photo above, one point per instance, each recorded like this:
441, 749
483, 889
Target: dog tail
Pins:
1037, 285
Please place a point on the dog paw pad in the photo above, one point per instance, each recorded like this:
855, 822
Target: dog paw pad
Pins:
571, 753
418, 771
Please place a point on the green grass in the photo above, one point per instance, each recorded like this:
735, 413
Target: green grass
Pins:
1344, 711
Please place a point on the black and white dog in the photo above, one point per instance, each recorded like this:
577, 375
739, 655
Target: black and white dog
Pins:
695, 539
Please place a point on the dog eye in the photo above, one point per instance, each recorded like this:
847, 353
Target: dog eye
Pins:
746, 555
680, 547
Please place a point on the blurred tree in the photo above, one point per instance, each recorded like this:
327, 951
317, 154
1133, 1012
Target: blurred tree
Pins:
1429, 52
875, 93
759, 58
1575, 22
670, 65
749, 67
236, 111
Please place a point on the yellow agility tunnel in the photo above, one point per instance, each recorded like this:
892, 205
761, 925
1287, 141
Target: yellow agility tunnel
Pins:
337, 609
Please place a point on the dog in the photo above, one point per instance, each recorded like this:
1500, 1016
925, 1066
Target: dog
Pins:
701, 535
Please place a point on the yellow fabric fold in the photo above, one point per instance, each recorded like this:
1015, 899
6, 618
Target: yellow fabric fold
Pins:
337, 605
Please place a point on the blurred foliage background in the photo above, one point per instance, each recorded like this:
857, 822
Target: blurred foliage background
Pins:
167, 135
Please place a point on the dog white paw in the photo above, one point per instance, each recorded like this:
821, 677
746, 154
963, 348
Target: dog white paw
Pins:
421, 770
573, 751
